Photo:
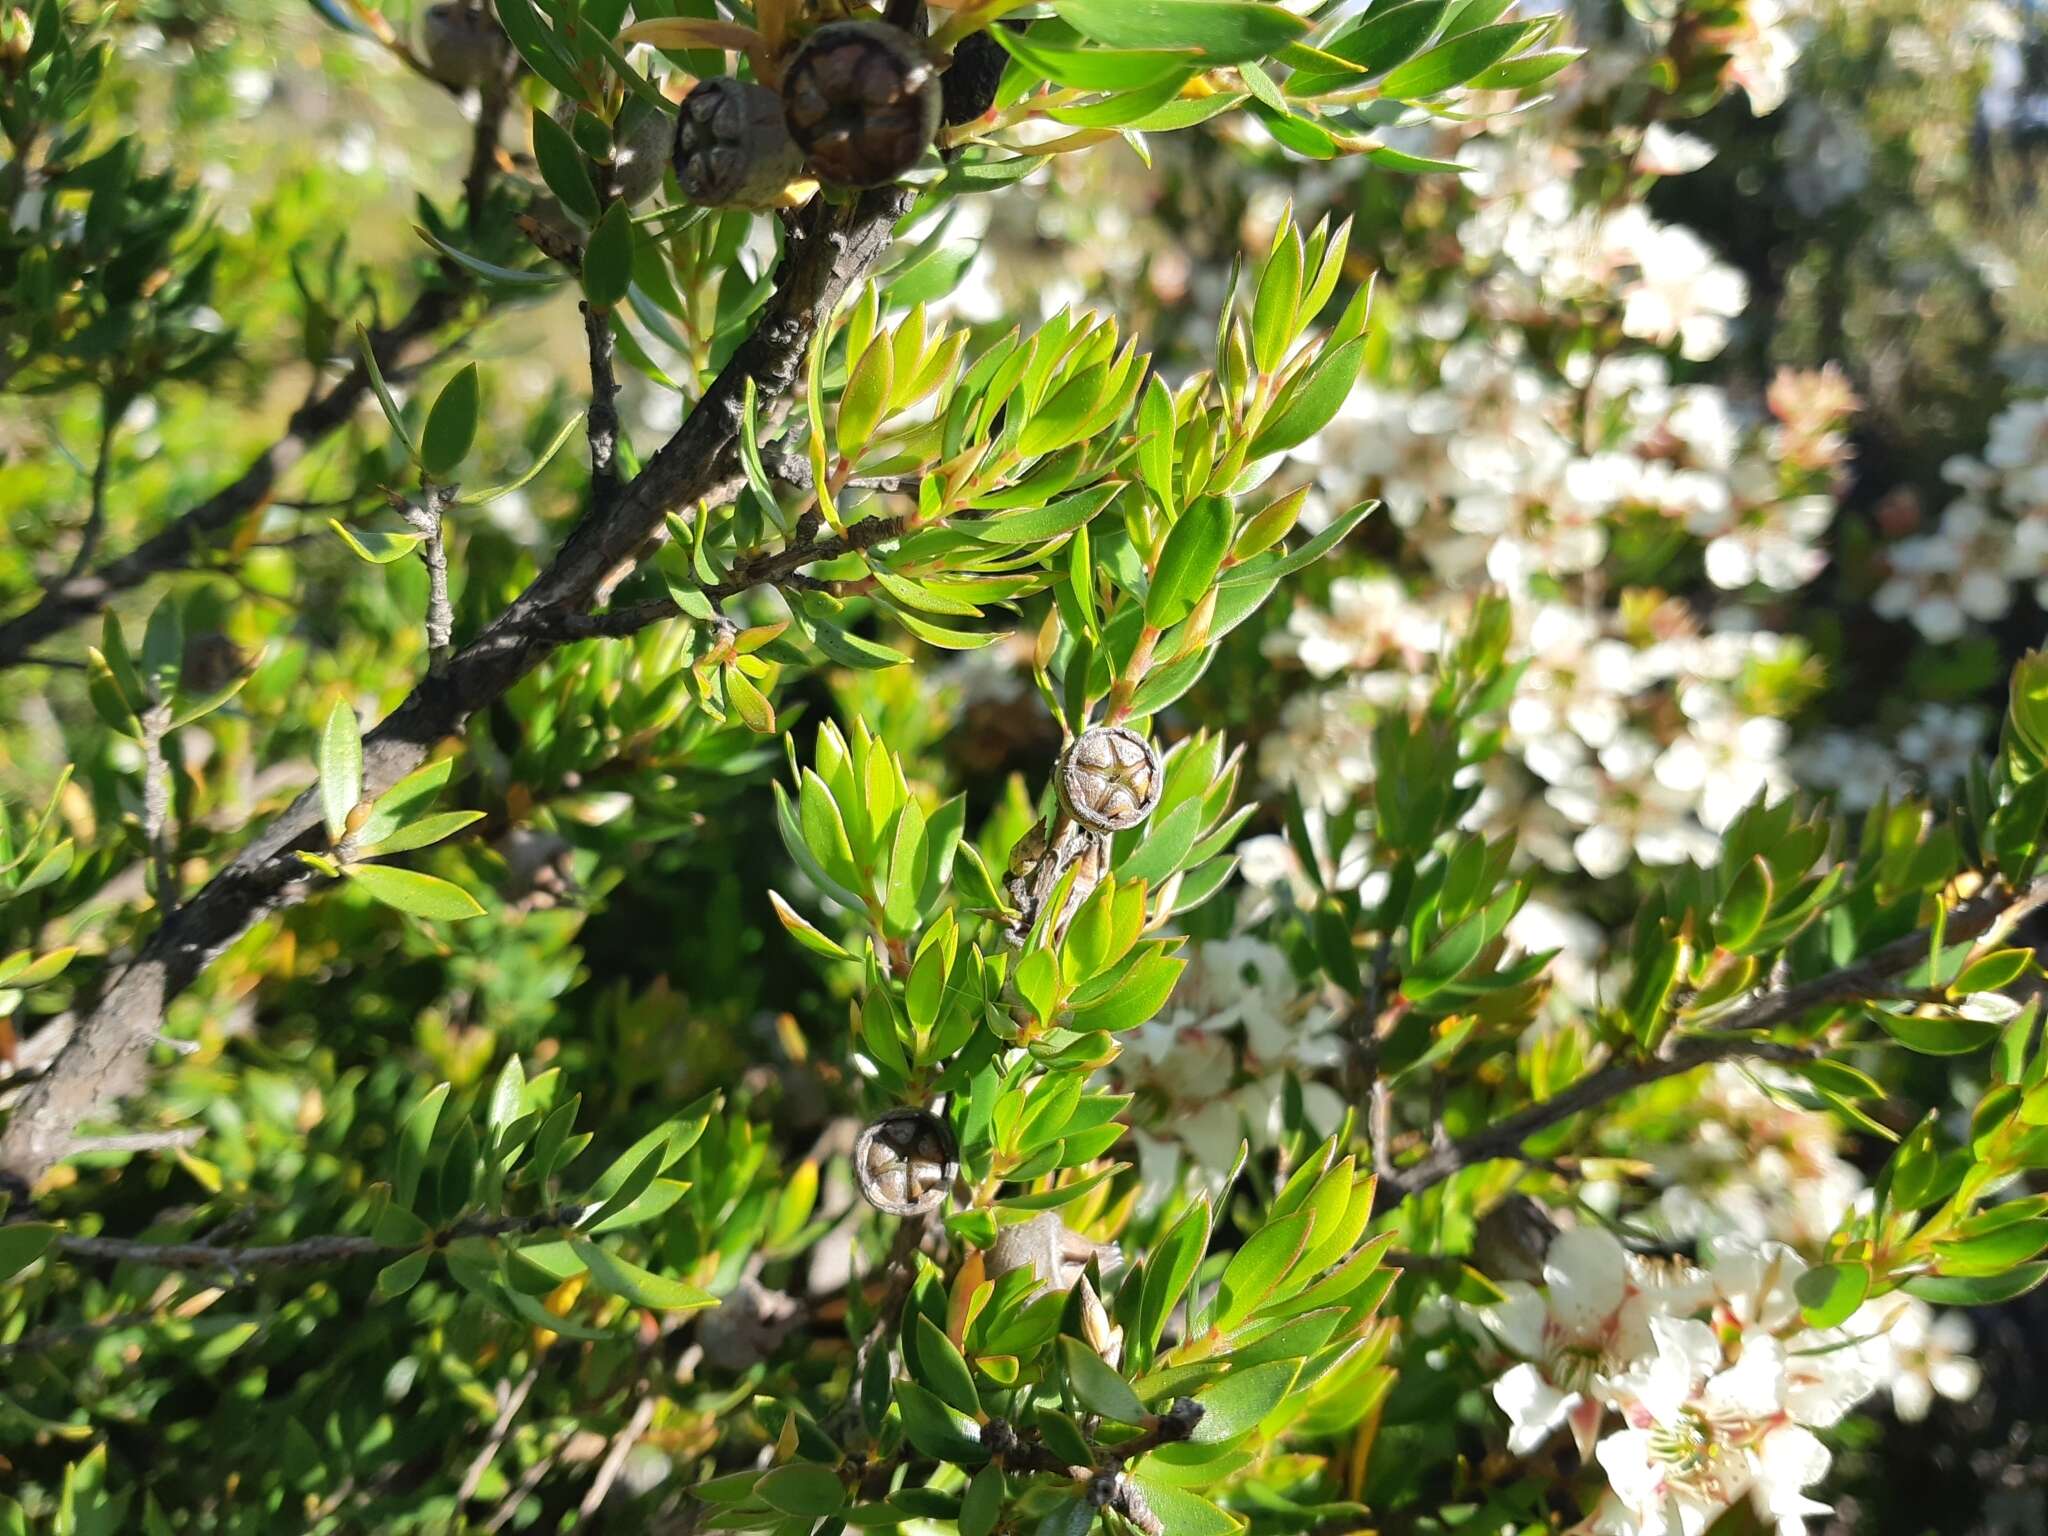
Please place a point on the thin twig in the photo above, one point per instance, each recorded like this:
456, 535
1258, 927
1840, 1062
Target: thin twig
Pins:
157, 830
428, 520
507, 1412
96, 511
144, 1141
330, 1249
793, 469
764, 568
509, 1506
615, 1458
603, 417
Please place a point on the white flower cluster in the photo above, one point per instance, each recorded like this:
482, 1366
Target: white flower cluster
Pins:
1992, 537
1755, 1165
1210, 1071
1638, 726
1693, 1389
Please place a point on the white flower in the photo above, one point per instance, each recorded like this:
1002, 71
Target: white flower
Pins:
1929, 1358
1367, 617
1942, 580
1943, 741
1594, 1316
1681, 293
1665, 152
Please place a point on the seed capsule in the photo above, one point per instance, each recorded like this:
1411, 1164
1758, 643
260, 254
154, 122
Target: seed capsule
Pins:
463, 44
969, 84
861, 101
1110, 778
732, 149
641, 138
906, 1162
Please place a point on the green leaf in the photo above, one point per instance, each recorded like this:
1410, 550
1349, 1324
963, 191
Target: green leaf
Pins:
1225, 31
427, 830
1172, 1266
1446, 960
1276, 568
937, 1430
1977, 1290
1279, 296
451, 424
562, 168
374, 544
1137, 998
1830, 1292
490, 271
608, 259
983, 1502
804, 933
1256, 1270
865, 399
1234, 1405
640, 1286
389, 405
490, 493
415, 1142
1936, 1036
1742, 911
1100, 1389
752, 704
401, 1275
1032, 525
1182, 1512
1312, 400
1994, 1251
414, 893
803, 1488
1388, 36
341, 769
1188, 561
1454, 62
1530, 69
941, 1368
22, 1243
1094, 69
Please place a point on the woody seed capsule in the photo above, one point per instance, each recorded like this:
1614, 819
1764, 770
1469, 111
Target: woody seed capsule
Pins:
732, 149
905, 1162
1110, 778
463, 44
861, 101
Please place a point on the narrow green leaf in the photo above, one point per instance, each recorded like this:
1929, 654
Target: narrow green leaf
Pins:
1188, 561
608, 259
375, 544
415, 1143
451, 424
341, 769
640, 1286
562, 168
414, 893
1224, 31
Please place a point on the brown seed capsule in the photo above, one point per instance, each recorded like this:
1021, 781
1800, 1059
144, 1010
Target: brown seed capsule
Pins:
1110, 778
861, 102
906, 1162
970, 81
732, 148
1051, 1250
641, 138
464, 45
